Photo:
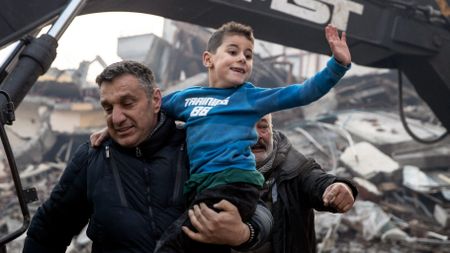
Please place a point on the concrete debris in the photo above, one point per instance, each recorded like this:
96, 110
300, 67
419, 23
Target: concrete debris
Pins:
395, 234
437, 236
367, 190
415, 179
404, 186
368, 218
365, 159
442, 215
424, 156
401, 208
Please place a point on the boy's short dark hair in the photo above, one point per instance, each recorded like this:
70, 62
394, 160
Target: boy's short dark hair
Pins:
230, 28
138, 70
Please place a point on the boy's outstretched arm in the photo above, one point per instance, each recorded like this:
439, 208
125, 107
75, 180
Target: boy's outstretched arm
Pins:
338, 45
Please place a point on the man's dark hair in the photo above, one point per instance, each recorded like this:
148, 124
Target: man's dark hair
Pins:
230, 28
138, 70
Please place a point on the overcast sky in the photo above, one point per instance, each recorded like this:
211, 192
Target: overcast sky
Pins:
96, 34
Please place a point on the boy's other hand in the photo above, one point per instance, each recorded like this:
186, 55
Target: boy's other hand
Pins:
338, 45
98, 137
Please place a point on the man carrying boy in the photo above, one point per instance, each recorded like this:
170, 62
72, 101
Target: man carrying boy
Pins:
220, 122
129, 189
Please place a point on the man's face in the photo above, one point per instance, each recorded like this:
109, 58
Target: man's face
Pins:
264, 147
232, 62
130, 114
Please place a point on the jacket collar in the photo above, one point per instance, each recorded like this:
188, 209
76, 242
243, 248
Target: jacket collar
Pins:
288, 160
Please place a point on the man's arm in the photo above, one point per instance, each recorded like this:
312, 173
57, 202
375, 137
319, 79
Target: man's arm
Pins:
326, 192
226, 227
64, 214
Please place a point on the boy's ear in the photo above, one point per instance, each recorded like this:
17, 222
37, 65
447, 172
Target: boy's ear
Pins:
207, 61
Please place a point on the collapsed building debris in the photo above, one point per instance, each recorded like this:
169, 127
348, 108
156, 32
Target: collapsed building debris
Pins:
404, 204
47, 130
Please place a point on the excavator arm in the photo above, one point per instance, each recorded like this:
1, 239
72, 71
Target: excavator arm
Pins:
412, 36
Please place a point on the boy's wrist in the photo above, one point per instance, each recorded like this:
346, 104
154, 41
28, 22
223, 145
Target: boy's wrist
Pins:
338, 67
342, 63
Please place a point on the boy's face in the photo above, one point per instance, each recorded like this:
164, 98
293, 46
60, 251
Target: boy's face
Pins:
232, 63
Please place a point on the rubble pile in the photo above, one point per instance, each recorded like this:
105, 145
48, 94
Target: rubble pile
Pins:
41, 161
404, 199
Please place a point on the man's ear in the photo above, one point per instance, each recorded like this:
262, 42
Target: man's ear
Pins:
207, 59
156, 100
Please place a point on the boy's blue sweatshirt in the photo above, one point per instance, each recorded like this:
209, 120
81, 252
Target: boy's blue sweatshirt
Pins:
220, 122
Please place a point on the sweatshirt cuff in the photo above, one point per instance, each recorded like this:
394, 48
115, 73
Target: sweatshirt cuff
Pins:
338, 68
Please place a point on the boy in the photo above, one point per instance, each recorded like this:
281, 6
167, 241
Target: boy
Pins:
220, 120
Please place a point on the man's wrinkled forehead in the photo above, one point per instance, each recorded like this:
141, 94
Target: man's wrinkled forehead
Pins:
118, 97
120, 91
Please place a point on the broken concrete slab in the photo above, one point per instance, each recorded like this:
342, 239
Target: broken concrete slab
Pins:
367, 190
442, 215
369, 160
367, 218
415, 179
385, 130
424, 156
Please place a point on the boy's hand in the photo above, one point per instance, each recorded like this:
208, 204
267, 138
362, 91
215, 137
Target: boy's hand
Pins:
338, 45
98, 137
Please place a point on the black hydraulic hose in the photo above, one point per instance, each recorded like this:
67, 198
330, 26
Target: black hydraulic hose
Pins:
403, 118
20, 45
34, 61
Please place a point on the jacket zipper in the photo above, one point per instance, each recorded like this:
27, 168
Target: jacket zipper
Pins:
138, 152
149, 199
107, 152
116, 176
